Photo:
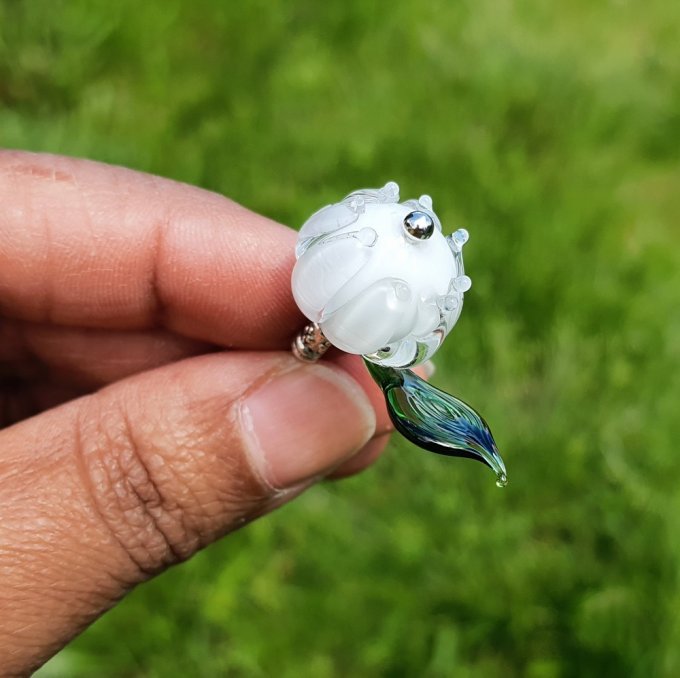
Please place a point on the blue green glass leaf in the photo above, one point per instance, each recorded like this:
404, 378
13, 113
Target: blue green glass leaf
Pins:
435, 420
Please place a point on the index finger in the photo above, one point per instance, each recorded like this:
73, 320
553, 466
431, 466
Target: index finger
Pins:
87, 244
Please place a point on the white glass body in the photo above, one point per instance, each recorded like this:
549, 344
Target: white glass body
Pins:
374, 288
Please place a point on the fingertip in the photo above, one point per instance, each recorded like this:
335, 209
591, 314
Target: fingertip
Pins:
370, 453
354, 365
426, 370
305, 422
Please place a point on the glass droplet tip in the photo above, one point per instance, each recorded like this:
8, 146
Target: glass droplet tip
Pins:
501, 480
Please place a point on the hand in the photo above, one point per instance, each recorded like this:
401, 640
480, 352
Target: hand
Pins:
132, 438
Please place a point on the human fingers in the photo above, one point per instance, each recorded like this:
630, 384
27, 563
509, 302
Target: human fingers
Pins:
91, 245
21, 399
354, 365
86, 357
384, 427
369, 454
100, 493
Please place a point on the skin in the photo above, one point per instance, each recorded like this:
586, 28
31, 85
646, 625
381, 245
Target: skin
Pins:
149, 401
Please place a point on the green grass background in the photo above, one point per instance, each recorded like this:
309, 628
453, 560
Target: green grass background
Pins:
550, 130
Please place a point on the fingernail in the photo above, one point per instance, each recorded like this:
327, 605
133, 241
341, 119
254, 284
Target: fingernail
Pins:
304, 423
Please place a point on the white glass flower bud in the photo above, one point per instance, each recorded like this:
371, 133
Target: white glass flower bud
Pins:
379, 277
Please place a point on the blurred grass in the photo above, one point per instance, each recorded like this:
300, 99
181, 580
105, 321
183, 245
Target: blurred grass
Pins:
551, 131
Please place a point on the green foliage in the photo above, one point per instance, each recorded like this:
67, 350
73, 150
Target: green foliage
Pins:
551, 131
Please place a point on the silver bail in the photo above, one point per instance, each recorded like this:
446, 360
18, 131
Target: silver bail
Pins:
310, 343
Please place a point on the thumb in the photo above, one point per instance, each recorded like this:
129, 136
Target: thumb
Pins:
101, 493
